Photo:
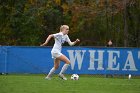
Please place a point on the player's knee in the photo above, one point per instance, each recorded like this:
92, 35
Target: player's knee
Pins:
68, 62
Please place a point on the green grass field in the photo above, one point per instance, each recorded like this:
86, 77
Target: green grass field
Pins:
86, 84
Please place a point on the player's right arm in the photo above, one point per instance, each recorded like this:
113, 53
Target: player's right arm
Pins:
72, 43
47, 40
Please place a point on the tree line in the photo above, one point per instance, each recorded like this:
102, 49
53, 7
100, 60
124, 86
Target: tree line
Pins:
94, 22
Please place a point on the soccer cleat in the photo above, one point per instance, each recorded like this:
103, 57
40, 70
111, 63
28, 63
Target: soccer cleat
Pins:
62, 76
48, 78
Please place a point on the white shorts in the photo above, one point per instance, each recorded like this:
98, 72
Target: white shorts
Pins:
56, 55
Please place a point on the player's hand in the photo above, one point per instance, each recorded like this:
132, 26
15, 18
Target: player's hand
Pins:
77, 40
42, 44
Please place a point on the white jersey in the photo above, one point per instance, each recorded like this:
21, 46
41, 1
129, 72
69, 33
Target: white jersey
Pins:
60, 38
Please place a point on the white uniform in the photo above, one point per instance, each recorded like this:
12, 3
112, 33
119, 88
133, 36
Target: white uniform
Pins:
60, 38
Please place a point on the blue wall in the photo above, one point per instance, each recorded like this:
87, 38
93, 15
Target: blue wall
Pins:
84, 60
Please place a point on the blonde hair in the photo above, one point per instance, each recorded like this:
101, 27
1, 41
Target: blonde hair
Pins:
62, 27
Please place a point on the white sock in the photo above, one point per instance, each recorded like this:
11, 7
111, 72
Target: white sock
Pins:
51, 72
64, 68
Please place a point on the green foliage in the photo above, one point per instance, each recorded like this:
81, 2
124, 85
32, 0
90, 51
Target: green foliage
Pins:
29, 22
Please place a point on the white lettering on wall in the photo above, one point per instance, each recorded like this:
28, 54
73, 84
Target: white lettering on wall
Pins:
130, 62
93, 59
139, 55
78, 55
97, 59
112, 64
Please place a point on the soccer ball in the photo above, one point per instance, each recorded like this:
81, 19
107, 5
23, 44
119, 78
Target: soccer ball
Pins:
74, 77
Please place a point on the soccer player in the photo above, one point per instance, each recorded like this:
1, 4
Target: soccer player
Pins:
59, 38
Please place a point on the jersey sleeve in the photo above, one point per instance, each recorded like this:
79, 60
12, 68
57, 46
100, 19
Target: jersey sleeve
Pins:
68, 39
57, 35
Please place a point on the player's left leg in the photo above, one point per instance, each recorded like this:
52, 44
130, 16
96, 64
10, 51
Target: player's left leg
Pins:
56, 66
65, 66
